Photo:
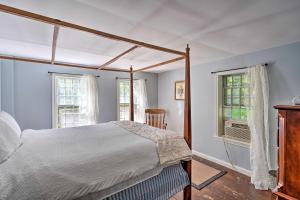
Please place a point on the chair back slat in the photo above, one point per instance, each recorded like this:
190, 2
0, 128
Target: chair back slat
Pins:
156, 118
158, 121
152, 120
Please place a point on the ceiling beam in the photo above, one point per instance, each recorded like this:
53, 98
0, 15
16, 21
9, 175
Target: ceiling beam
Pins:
48, 20
54, 42
114, 69
118, 56
160, 64
74, 65
5, 57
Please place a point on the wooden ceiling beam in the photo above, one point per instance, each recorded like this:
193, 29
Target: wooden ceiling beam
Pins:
118, 56
48, 20
5, 57
74, 65
115, 69
160, 64
54, 42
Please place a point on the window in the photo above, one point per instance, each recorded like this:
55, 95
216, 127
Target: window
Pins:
139, 99
233, 103
124, 99
71, 101
236, 97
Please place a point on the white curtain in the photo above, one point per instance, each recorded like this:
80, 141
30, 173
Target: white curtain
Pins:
92, 99
259, 126
141, 100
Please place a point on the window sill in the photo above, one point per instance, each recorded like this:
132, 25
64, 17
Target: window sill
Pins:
232, 141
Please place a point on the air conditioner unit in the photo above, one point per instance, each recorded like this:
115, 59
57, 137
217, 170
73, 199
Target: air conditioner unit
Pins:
237, 130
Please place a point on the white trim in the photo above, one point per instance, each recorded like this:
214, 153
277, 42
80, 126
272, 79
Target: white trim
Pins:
219, 134
232, 141
54, 95
219, 105
223, 163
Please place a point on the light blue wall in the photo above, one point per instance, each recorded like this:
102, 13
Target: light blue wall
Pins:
0, 82
27, 92
284, 79
7, 86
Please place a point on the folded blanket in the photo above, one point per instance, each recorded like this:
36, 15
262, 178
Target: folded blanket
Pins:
171, 146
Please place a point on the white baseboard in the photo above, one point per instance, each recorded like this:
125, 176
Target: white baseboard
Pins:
223, 163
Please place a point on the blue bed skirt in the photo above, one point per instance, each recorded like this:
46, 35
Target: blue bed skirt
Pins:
170, 181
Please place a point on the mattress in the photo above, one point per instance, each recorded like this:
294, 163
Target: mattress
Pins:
73, 162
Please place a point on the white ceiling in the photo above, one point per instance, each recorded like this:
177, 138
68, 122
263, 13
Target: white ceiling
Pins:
215, 29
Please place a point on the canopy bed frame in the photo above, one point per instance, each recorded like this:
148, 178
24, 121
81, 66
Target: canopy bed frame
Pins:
137, 44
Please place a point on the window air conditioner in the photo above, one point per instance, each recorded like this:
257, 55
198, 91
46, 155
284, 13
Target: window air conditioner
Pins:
237, 130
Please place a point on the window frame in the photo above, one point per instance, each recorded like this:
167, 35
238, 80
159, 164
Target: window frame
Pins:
54, 97
118, 96
219, 133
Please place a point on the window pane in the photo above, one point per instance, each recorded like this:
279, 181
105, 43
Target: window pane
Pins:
124, 98
244, 113
124, 111
229, 81
236, 96
227, 97
61, 82
236, 80
227, 112
228, 101
228, 92
236, 101
236, 92
236, 113
68, 83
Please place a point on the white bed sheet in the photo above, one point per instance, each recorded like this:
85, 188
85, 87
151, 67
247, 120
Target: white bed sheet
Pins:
73, 162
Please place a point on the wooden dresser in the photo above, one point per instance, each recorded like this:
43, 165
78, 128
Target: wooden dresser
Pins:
289, 152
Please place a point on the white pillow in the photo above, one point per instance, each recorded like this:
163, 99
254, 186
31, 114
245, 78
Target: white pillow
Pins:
9, 140
11, 121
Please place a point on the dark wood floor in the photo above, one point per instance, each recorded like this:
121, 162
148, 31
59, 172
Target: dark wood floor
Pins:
231, 186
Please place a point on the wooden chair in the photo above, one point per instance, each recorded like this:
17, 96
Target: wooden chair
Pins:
156, 117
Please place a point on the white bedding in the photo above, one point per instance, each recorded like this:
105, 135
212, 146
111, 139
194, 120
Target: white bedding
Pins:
73, 162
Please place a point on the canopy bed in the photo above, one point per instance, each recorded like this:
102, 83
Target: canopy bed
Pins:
143, 130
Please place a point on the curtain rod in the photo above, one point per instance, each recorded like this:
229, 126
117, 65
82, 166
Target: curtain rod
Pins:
129, 78
227, 70
68, 74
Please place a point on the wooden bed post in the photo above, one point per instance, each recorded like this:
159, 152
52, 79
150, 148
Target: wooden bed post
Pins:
187, 122
131, 96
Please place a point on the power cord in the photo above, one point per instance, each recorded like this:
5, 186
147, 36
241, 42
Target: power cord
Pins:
227, 152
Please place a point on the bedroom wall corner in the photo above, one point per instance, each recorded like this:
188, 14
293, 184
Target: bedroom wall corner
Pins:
0, 85
7, 86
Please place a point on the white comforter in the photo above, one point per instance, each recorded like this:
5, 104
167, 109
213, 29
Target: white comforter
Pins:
72, 162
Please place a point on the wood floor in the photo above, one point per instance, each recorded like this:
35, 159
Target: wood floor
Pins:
231, 186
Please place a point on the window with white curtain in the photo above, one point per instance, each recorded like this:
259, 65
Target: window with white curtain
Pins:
140, 99
233, 106
75, 100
